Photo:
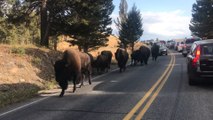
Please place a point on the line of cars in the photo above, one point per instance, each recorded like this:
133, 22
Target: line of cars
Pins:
199, 55
182, 46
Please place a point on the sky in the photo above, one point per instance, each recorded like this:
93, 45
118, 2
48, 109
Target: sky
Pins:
162, 19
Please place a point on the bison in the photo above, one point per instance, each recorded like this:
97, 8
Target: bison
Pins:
86, 67
145, 52
155, 51
122, 57
136, 57
108, 54
72, 66
101, 63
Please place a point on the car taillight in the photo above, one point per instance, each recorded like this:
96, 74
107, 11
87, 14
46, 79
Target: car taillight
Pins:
197, 56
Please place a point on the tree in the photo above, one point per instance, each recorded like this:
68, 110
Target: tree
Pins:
86, 21
131, 29
12, 31
123, 8
44, 24
202, 19
92, 23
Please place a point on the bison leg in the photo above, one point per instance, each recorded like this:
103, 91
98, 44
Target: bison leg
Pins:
124, 68
62, 93
147, 60
74, 82
63, 85
90, 78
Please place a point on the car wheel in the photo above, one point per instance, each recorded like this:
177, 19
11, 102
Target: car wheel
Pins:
191, 81
184, 55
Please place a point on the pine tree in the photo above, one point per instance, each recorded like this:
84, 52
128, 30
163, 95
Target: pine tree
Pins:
123, 8
86, 21
131, 29
92, 23
202, 19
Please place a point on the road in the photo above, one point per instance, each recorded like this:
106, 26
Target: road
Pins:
158, 91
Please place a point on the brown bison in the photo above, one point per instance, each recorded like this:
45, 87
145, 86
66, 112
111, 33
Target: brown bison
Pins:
72, 66
122, 57
136, 57
145, 52
155, 51
101, 63
108, 54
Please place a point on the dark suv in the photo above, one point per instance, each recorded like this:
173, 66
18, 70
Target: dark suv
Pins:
187, 45
200, 61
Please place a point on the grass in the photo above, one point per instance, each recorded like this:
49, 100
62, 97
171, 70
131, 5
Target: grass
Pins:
36, 60
48, 85
17, 93
18, 50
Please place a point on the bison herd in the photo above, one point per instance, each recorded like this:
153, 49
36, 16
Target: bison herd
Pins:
77, 66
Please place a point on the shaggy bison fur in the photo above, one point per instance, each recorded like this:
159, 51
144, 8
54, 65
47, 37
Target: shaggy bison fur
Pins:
155, 51
122, 57
145, 52
72, 66
108, 54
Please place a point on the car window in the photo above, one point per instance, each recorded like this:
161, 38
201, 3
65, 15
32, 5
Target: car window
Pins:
189, 41
207, 49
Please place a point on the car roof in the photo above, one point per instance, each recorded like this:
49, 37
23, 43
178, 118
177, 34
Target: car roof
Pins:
204, 41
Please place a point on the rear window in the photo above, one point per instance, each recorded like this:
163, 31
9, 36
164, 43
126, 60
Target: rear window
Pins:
207, 49
189, 41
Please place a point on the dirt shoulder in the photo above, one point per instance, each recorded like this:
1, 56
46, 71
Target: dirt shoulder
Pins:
24, 70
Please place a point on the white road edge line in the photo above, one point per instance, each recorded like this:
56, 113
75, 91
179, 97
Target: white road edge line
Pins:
26, 105
23, 106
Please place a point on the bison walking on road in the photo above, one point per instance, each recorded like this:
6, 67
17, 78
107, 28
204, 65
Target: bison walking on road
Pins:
145, 52
108, 54
155, 51
72, 66
101, 63
136, 57
122, 57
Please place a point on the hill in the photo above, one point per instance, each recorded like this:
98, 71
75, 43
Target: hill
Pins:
24, 70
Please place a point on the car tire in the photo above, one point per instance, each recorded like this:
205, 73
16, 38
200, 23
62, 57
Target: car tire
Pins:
184, 55
191, 81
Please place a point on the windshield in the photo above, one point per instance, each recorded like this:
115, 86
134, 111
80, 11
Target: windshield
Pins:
190, 41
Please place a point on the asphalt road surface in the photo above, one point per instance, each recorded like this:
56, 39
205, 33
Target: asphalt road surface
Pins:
158, 91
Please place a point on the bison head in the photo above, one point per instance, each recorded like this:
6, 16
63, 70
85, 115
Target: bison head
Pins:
61, 71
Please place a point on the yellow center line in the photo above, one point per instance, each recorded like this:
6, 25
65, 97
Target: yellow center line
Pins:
143, 111
138, 105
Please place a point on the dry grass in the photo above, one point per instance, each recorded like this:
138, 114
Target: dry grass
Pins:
11, 93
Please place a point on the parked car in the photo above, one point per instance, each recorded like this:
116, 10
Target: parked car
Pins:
200, 61
187, 45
